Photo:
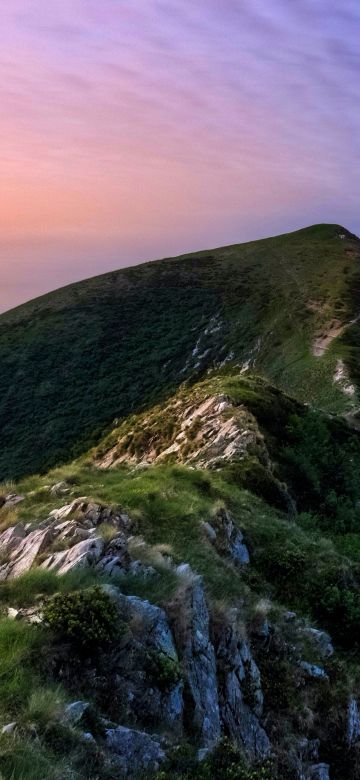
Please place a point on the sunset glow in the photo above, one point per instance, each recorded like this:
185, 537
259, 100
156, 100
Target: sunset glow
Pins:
137, 129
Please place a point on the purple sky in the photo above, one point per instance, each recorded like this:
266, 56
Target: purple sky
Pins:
135, 129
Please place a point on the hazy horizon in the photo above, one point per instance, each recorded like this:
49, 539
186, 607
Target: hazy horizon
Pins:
140, 130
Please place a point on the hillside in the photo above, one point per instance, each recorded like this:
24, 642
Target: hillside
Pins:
183, 600
76, 359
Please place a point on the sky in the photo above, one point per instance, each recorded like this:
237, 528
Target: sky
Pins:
137, 129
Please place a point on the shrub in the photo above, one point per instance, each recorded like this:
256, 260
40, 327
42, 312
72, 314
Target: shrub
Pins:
88, 618
165, 671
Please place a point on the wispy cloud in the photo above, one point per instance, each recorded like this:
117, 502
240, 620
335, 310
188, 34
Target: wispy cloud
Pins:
163, 125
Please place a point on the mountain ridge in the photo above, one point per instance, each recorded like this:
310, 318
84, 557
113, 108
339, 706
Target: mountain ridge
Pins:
79, 357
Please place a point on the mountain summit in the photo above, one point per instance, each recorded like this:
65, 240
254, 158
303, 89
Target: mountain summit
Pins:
71, 361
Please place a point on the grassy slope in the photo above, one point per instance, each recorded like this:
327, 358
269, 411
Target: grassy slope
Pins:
296, 563
75, 359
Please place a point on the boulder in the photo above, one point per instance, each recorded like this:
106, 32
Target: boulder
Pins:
75, 711
59, 489
12, 537
319, 772
190, 624
227, 538
83, 554
240, 693
134, 752
9, 729
25, 551
313, 671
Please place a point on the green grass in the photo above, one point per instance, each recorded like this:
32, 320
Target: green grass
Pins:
75, 359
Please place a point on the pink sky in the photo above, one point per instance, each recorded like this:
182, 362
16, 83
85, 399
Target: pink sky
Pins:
135, 129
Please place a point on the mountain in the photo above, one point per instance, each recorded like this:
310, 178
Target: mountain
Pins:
75, 359
180, 520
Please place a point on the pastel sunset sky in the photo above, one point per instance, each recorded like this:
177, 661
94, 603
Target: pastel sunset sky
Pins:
136, 129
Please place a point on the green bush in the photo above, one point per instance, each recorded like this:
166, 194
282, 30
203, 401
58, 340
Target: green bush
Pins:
88, 618
163, 670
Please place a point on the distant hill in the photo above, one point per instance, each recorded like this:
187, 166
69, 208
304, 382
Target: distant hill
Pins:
74, 360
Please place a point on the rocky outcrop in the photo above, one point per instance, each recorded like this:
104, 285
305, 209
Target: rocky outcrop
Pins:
23, 550
353, 723
240, 694
147, 672
227, 539
190, 624
79, 556
133, 752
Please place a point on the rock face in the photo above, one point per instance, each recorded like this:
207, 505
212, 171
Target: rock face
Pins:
81, 555
240, 694
73, 526
353, 723
23, 551
133, 752
227, 538
190, 623
146, 664
319, 772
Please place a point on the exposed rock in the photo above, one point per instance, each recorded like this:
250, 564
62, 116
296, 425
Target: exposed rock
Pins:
321, 639
80, 555
240, 694
311, 670
59, 489
24, 552
75, 711
227, 538
353, 723
319, 772
12, 499
148, 641
11, 538
12, 613
134, 752
9, 729
190, 623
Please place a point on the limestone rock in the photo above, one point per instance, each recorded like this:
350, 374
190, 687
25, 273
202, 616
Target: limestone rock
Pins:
240, 694
24, 553
227, 538
190, 623
353, 723
9, 729
80, 555
311, 670
134, 752
147, 642
319, 772
75, 711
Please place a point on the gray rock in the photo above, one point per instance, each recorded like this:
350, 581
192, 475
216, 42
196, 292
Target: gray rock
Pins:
59, 489
149, 638
240, 694
321, 639
75, 711
25, 551
190, 622
353, 722
227, 538
134, 752
319, 772
83, 554
12, 537
9, 729
311, 670
12, 499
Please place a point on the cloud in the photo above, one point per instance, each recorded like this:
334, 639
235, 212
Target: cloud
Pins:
189, 120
